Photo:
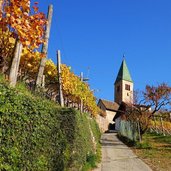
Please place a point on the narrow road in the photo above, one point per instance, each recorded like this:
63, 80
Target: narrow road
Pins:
116, 156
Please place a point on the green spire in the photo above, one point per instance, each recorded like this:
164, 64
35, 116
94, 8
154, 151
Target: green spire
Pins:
123, 73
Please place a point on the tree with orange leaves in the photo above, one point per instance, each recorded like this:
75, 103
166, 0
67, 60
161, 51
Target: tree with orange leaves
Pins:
27, 29
153, 99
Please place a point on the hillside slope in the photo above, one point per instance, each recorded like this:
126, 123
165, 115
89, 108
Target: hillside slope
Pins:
36, 134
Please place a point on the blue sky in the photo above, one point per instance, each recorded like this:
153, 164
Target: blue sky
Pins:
93, 35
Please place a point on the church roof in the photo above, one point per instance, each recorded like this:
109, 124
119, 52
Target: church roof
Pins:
123, 73
113, 106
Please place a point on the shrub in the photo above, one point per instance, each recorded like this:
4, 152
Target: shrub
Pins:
126, 140
143, 145
36, 134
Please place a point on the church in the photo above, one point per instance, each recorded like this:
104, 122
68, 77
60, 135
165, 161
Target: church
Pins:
123, 93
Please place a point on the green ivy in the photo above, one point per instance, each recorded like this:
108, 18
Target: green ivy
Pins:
38, 135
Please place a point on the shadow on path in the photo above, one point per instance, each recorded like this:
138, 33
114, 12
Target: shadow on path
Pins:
116, 156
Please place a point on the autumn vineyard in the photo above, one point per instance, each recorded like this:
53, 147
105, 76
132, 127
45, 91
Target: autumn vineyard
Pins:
22, 32
37, 132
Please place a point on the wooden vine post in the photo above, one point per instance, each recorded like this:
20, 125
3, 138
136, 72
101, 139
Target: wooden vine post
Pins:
44, 48
139, 133
155, 125
1, 3
61, 98
161, 120
81, 102
15, 64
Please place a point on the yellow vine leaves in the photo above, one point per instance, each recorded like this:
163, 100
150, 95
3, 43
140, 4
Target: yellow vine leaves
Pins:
18, 22
7, 43
28, 28
76, 90
73, 88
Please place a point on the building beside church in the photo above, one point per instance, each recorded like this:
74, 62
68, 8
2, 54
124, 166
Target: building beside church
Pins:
109, 109
123, 92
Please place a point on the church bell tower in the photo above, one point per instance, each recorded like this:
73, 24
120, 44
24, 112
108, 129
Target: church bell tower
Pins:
123, 86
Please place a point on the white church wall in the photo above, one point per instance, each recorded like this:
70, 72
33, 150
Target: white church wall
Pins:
110, 115
104, 122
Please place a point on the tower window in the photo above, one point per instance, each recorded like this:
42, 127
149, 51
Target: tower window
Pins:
127, 87
118, 88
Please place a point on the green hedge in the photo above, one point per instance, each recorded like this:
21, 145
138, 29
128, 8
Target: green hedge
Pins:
38, 135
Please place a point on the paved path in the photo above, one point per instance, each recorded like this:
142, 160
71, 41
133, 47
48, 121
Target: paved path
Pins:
116, 156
